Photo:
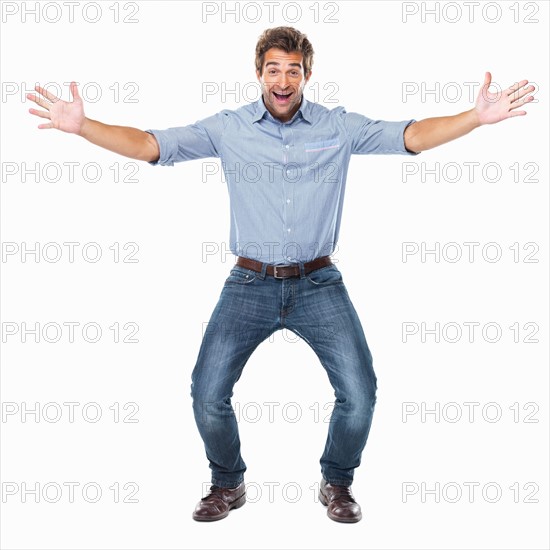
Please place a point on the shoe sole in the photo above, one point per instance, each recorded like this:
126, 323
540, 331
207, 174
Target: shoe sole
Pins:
233, 506
324, 502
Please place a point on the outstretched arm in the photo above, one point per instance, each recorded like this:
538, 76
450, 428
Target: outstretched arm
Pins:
489, 108
69, 117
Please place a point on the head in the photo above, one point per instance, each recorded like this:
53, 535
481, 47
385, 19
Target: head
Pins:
284, 57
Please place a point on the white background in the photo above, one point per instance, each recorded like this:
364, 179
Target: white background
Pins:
368, 53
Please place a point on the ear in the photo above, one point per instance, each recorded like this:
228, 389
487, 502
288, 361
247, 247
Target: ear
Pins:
258, 76
308, 76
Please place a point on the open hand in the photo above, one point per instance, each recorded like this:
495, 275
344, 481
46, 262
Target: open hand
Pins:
67, 116
493, 107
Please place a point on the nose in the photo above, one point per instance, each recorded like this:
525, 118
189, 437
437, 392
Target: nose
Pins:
282, 81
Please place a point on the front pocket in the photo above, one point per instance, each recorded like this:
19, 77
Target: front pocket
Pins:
240, 276
324, 276
318, 146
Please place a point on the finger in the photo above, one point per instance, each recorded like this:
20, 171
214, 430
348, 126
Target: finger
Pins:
45, 126
39, 101
516, 113
516, 86
484, 90
43, 114
46, 94
521, 93
74, 91
521, 102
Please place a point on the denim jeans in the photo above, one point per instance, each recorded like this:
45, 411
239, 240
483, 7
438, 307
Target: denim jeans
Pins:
317, 308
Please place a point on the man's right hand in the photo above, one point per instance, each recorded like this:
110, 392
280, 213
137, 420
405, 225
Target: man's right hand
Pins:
67, 116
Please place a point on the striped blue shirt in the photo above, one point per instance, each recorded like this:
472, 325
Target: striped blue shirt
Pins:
286, 180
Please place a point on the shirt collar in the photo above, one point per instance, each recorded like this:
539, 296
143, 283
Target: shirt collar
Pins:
303, 111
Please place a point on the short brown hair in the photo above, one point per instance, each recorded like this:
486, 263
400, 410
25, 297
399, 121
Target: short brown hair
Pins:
288, 39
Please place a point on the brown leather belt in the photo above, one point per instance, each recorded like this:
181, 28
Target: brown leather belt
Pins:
283, 271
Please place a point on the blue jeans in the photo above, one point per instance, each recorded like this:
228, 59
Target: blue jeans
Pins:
317, 308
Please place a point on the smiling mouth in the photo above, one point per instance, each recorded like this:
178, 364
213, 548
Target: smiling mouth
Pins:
282, 97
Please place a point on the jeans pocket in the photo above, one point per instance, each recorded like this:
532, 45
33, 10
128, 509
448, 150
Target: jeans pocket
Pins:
325, 276
240, 276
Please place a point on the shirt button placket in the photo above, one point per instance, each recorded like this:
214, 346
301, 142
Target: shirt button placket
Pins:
288, 192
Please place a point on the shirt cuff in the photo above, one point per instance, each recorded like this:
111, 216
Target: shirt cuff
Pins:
166, 146
405, 150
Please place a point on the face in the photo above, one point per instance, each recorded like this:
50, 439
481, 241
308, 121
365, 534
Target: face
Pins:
282, 82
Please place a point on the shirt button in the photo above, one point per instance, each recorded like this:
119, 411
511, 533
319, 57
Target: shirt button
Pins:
287, 146
288, 172
289, 258
288, 229
288, 201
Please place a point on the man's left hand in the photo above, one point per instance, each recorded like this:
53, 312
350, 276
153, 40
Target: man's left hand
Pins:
493, 107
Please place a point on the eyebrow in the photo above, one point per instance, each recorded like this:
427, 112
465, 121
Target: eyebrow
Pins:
278, 64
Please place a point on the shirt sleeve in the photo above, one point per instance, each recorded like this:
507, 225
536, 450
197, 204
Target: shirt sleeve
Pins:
195, 141
378, 137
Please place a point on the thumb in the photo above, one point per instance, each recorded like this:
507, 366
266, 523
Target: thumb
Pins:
484, 90
74, 91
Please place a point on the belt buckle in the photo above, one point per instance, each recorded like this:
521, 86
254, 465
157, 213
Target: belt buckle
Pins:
277, 276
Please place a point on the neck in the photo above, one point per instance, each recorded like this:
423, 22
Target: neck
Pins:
289, 115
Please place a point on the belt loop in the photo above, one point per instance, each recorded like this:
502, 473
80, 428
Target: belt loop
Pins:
302, 270
261, 275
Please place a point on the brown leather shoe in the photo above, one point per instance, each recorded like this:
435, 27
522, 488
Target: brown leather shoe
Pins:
341, 504
217, 503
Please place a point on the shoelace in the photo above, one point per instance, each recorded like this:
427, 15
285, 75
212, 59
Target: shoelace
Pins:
213, 491
341, 491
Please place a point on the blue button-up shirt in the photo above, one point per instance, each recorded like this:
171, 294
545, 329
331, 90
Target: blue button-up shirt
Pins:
286, 180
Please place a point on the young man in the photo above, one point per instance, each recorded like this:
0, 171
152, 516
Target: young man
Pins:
285, 161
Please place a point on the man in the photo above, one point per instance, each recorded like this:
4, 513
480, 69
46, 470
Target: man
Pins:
285, 161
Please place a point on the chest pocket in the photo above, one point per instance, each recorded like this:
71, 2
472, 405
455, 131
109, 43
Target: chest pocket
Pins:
320, 146
322, 160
